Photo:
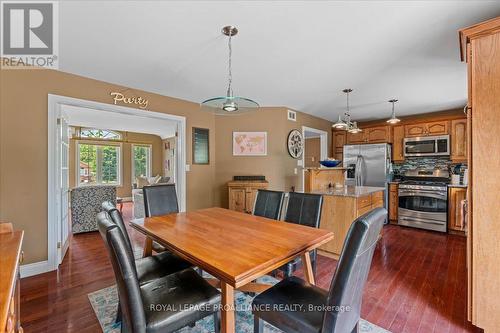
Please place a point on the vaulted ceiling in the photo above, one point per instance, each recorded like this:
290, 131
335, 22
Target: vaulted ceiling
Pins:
298, 54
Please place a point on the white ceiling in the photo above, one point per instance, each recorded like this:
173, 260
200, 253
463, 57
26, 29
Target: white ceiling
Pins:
84, 117
298, 54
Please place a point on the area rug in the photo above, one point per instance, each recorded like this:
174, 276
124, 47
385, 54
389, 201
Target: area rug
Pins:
105, 302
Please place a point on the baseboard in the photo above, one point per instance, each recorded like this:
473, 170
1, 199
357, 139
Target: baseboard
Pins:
34, 268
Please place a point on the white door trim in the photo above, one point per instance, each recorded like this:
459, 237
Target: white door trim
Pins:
323, 147
54, 109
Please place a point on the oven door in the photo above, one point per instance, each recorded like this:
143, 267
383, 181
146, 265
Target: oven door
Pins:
423, 209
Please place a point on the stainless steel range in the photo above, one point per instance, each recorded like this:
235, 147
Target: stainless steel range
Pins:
423, 199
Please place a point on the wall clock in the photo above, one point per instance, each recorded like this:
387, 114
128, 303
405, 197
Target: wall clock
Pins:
295, 144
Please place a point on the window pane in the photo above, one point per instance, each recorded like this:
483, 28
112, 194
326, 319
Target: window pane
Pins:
100, 134
200, 146
141, 161
88, 164
109, 164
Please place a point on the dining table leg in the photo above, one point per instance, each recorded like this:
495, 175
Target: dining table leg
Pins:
148, 247
227, 310
306, 264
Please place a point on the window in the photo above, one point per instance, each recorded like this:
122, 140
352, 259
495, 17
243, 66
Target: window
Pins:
141, 161
99, 164
94, 133
200, 146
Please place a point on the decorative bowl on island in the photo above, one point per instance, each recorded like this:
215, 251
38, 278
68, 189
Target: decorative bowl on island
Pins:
330, 163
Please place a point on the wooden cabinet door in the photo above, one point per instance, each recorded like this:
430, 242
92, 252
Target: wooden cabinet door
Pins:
380, 134
415, 130
437, 128
455, 218
458, 137
393, 205
339, 139
237, 200
338, 154
355, 138
397, 144
250, 194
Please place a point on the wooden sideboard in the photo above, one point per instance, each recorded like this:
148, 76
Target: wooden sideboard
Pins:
242, 194
480, 48
10, 259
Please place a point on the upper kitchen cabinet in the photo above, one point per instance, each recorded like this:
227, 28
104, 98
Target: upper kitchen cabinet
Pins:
427, 129
377, 134
338, 142
397, 144
356, 138
458, 137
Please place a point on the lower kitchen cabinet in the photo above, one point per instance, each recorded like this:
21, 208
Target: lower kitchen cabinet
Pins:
456, 221
393, 203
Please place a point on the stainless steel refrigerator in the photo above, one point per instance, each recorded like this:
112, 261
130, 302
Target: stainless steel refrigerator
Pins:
368, 165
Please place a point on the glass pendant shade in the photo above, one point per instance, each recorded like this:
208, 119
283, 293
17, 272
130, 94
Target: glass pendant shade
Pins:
229, 104
340, 124
393, 119
354, 128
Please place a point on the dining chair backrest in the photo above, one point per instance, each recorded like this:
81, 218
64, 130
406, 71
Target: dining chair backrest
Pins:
346, 289
117, 218
268, 204
304, 209
133, 315
160, 199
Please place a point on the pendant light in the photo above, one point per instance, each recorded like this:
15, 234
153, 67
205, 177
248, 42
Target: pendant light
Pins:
230, 104
345, 123
393, 119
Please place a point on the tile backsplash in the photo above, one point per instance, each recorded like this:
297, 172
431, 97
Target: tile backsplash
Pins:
427, 163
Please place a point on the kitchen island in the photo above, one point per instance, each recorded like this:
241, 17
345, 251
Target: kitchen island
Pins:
341, 206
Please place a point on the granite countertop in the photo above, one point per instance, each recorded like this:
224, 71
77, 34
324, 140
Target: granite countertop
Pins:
350, 191
457, 185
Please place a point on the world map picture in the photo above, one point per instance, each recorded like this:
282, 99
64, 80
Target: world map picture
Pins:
249, 143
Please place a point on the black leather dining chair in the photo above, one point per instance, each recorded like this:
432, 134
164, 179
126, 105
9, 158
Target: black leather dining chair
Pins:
139, 303
335, 311
303, 209
148, 268
160, 199
268, 204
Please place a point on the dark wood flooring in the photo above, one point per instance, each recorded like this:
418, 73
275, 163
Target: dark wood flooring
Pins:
417, 283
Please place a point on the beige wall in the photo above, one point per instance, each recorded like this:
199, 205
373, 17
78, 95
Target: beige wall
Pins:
312, 152
278, 166
23, 145
128, 138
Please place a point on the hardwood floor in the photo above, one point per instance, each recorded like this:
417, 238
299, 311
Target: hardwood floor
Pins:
417, 283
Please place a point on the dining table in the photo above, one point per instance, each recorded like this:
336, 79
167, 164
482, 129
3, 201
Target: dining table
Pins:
235, 248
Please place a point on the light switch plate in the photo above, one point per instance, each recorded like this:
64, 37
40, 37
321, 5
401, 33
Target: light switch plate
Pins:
299, 163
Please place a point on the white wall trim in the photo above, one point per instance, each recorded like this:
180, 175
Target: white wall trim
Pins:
323, 135
35, 268
54, 110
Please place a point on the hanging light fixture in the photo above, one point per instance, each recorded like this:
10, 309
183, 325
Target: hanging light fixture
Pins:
393, 119
230, 104
345, 122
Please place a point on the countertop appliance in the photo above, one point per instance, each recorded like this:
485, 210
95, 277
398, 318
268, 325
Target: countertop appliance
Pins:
423, 199
368, 165
427, 146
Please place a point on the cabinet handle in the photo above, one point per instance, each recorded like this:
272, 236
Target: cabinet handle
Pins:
467, 108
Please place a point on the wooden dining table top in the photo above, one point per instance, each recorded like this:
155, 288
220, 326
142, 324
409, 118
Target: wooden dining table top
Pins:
234, 247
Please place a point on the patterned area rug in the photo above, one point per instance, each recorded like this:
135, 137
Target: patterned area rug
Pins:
105, 302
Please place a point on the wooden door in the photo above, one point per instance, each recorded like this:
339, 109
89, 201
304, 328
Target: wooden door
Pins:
458, 137
380, 134
455, 217
356, 138
437, 128
397, 144
237, 200
415, 130
250, 194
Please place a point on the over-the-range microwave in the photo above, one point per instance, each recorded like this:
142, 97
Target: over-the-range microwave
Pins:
427, 146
